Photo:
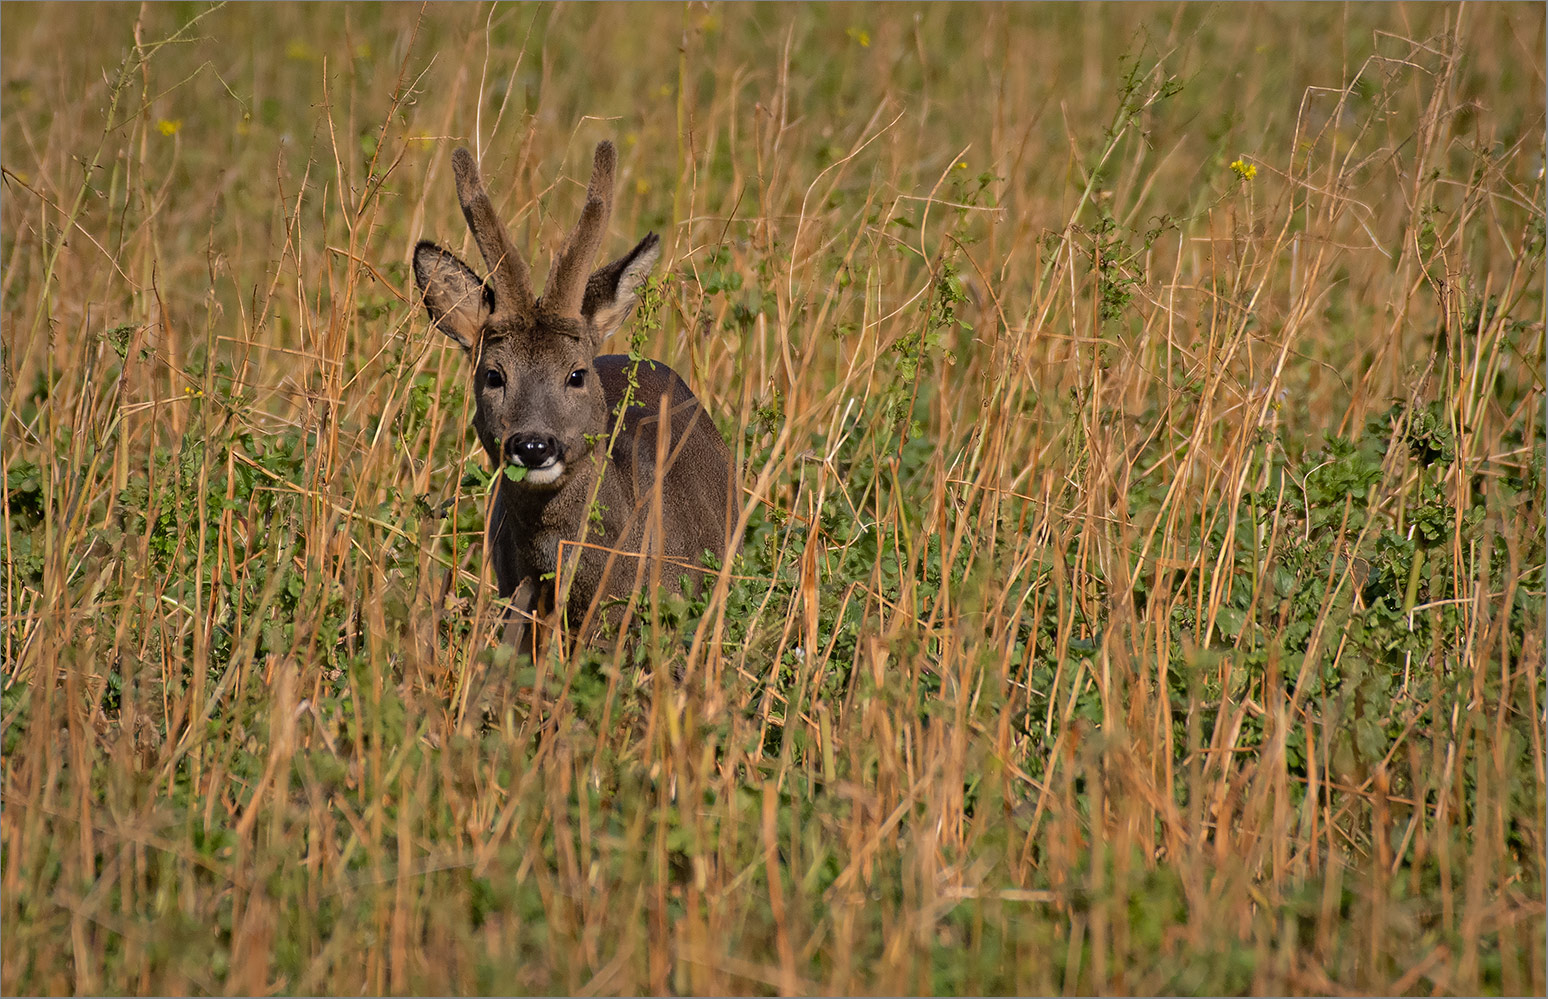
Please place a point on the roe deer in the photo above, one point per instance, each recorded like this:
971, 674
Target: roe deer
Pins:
582, 457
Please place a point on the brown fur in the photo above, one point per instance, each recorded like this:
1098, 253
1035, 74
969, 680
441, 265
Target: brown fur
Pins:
547, 403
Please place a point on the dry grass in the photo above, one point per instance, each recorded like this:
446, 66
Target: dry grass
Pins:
1141, 416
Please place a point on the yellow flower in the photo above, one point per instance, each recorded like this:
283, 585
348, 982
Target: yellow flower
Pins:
860, 35
169, 126
1243, 169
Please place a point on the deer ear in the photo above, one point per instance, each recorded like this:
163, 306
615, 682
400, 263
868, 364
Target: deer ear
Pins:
610, 290
458, 302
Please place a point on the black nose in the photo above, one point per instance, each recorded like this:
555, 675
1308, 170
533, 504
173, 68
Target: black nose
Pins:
532, 450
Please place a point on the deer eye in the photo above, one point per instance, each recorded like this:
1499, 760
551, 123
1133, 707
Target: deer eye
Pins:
577, 378
493, 379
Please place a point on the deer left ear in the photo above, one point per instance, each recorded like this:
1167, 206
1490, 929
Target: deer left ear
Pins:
458, 302
610, 290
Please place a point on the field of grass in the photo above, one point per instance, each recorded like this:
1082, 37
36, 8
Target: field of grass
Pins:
1140, 412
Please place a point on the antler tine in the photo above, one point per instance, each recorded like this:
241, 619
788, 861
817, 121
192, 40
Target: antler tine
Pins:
567, 282
513, 288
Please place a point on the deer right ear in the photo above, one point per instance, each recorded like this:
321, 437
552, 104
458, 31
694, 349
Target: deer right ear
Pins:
610, 290
458, 302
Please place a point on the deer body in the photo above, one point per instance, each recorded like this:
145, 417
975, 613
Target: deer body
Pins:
527, 526
585, 470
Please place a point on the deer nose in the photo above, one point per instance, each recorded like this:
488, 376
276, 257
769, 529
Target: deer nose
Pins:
532, 450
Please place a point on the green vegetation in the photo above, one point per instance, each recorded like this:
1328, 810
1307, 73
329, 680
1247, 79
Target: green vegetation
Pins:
1141, 420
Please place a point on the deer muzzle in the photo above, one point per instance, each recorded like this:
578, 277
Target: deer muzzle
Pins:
540, 454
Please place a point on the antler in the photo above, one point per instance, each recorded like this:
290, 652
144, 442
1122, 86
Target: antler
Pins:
567, 281
513, 289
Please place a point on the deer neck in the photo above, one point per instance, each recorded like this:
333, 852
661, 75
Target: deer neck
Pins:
535, 520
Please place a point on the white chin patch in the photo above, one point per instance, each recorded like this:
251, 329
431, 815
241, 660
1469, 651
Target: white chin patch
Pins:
545, 474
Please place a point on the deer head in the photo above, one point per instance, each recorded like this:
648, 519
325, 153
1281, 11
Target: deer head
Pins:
540, 406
